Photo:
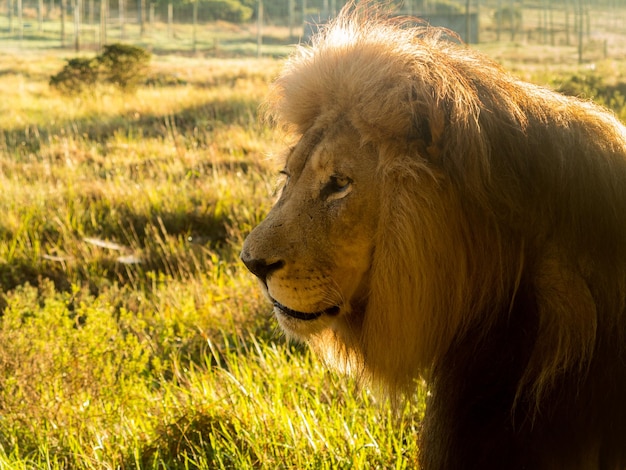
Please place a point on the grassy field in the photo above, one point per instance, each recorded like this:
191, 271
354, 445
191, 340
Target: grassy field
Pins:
131, 336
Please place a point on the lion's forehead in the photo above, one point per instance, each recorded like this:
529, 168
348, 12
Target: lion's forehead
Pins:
299, 155
324, 152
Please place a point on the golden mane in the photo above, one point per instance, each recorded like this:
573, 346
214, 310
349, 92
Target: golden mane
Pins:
475, 169
499, 198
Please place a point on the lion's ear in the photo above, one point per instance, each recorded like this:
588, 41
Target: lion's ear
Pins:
429, 123
436, 124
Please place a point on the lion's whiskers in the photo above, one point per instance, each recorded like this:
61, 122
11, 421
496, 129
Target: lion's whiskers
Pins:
333, 294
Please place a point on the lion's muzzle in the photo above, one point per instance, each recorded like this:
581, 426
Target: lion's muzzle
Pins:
263, 269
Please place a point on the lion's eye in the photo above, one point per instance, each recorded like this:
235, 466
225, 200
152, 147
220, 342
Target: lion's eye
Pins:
337, 187
340, 183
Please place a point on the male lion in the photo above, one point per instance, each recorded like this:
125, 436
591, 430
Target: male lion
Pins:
442, 219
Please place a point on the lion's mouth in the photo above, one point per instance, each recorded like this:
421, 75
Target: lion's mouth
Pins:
306, 316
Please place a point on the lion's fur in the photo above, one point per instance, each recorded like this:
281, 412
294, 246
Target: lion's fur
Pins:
501, 242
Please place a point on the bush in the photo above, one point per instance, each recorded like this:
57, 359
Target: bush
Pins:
121, 65
592, 85
77, 76
446, 8
228, 10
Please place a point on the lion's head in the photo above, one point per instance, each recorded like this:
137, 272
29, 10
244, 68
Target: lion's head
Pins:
314, 250
434, 207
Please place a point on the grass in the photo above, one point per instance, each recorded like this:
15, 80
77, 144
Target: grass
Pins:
131, 336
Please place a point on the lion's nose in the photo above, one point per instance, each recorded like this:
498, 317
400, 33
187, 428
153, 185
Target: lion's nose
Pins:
260, 267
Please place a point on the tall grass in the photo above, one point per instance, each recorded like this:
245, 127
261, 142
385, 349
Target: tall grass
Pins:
131, 336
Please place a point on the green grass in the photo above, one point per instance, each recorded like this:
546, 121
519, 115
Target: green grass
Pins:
131, 336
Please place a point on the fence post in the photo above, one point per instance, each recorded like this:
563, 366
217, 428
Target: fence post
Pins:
40, 15
579, 23
10, 8
77, 25
20, 19
141, 16
195, 25
566, 4
121, 6
468, 5
513, 20
63, 7
290, 7
104, 14
259, 29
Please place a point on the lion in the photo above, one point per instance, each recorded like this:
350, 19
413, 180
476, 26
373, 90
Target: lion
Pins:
442, 220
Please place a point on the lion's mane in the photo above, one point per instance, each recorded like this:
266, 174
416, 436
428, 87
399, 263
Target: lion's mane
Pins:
499, 271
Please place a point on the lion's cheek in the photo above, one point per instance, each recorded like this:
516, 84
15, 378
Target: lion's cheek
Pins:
352, 276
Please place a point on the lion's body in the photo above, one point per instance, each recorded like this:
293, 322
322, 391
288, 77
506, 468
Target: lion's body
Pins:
445, 220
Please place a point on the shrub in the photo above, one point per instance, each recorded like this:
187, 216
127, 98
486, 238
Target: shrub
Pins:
228, 10
122, 65
77, 76
446, 8
592, 85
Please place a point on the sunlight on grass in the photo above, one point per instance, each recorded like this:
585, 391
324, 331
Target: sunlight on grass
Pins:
131, 335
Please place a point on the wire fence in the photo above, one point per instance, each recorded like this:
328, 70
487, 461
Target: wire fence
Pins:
190, 28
